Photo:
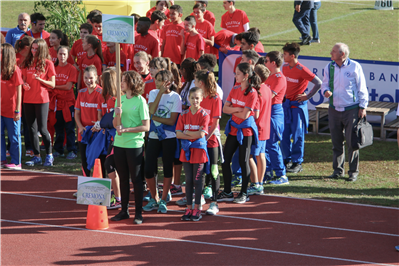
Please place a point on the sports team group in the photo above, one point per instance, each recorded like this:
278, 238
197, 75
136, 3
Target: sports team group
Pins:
171, 106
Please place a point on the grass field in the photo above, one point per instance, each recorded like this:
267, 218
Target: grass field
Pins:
371, 34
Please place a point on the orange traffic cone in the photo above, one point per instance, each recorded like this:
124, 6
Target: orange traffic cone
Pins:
97, 216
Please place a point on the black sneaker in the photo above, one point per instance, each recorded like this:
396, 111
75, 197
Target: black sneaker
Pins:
187, 215
138, 220
121, 216
241, 198
295, 168
306, 41
223, 196
196, 216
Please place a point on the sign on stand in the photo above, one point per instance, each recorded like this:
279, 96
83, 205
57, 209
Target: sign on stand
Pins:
118, 29
94, 191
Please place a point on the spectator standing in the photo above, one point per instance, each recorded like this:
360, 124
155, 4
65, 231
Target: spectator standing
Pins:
15, 34
301, 20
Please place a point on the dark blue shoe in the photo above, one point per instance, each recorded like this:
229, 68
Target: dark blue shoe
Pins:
49, 160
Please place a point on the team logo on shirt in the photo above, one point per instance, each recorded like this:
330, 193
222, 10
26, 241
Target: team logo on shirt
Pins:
163, 111
233, 24
347, 74
238, 102
292, 80
89, 105
139, 47
191, 127
172, 33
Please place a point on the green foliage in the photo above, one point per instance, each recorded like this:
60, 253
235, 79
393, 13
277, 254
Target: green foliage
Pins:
66, 16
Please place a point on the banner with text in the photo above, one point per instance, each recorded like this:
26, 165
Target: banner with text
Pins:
118, 29
381, 77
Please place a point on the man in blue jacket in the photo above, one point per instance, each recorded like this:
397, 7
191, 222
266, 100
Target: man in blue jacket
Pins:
301, 19
15, 34
345, 85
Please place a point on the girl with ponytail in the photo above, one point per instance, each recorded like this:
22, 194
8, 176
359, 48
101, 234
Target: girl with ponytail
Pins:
187, 68
94, 56
241, 129
57, 39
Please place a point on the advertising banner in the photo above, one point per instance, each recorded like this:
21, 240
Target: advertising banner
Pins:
94, 191
118, 29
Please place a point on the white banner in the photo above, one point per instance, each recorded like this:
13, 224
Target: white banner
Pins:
381, 78
94, 191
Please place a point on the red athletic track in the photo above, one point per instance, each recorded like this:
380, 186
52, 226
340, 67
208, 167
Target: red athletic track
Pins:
267, 230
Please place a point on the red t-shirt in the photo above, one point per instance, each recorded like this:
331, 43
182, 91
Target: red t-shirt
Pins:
238, 99
223, 39
157, 34
148, 44
194, 45
77, 50
237, 62
213, 107
207, 31
265, 109
259, 48
65, 74
234, 22
108, 105
87, 61
278, 86
89, 104
149, 86
9, 94
19, 59
298, 78
110, 59
172, 38
39, 35
38, 92
190, 122
53, 54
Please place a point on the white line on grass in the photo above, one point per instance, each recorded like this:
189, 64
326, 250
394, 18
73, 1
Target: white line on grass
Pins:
243, 218
198, 242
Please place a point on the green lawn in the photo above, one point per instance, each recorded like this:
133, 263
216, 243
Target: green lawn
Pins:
370, 34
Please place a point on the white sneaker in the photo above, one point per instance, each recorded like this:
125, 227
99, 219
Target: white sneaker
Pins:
213, 209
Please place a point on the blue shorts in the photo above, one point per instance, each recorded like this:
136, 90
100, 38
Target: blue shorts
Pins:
259, 148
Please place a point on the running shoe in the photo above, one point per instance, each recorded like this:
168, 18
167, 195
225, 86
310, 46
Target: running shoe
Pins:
207, 192
121, 216
147, 197
175, 191
29, 153
162, 207
35, 160
3, 163
283, 180
115, 204
237, 181
295, 168
251, 190
223, 196
268, 177
255, 190
182, 201
241, 198
13, 166
196, 216
71, 155
49, 160
56, 154
152, 205
187, 215
213, 209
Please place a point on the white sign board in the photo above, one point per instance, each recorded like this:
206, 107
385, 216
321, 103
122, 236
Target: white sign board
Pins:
118, 29
94, 191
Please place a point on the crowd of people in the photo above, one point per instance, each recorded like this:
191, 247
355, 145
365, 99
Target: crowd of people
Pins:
171, 106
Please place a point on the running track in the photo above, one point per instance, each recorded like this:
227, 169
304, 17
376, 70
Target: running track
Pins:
42, 224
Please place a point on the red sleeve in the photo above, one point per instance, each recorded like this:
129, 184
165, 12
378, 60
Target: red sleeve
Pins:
50, 69
245, 19
223, 23
205, 123
155, 49
180, 124
229, 97
201, 43
77, 105
212, 32
257, 105
211, 18
73, 50
217, 109
251, 99
18, 77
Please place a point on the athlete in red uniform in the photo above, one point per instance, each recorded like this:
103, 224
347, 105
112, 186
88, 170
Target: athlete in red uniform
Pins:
145, 41
141, 63
171, 44
204, 27
94, 56
193, 44
77, 52
234, 19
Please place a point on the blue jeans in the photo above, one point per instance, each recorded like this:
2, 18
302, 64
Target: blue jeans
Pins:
313, 20
14, 138
301, 21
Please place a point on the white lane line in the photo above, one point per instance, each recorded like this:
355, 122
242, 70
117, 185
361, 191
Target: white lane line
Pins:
244, 218
331, 201
36, 196
279, 196
198, 242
